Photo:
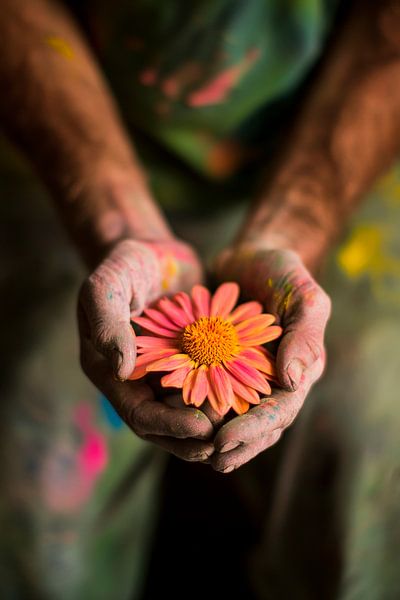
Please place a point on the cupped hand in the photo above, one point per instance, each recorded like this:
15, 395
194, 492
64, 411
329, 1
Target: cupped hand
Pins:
281, 282
133, 275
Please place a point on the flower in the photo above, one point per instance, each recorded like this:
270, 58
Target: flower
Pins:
208, 349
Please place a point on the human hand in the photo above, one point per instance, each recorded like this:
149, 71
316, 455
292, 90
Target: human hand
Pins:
133, 275
280, 281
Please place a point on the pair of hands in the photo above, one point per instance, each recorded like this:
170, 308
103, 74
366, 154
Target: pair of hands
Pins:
135, 274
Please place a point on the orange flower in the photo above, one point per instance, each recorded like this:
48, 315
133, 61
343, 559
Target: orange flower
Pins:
210, 350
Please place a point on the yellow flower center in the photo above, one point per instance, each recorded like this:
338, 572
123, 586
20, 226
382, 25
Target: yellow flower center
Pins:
209, 340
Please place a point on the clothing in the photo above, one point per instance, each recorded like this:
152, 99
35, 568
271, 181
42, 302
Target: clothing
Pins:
201, 78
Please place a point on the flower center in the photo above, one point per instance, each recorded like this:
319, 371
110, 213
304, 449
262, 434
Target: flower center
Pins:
209, 340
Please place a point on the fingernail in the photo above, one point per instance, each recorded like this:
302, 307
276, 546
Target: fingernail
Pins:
228, 469
295, 371
229, 446
201, 456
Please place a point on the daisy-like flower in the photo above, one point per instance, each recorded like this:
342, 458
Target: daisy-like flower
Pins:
208, 349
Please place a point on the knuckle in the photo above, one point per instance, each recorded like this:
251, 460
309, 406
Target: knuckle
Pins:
314, 348
324, 300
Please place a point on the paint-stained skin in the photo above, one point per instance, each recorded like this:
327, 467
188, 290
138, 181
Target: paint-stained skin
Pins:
61, 46
280, 281
133, 276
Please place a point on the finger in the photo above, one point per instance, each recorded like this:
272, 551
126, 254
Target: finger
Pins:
277, 412
176, 401
304, 325
135, 403
189, 450
104, 316
228, 461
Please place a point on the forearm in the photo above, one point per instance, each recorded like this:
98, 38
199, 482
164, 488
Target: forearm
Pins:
346, 134
58, 109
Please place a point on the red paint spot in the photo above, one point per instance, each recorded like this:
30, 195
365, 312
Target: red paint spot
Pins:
148, 77
216, 91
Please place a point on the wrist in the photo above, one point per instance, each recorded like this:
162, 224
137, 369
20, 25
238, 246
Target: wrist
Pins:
108, 204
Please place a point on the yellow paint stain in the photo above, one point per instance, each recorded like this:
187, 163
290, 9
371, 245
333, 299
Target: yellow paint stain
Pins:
60, 46
366, 254
170, 270
360, 253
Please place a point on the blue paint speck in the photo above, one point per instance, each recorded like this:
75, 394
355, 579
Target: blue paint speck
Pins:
111, 416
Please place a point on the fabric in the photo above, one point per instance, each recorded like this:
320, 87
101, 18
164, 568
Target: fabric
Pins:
200, 78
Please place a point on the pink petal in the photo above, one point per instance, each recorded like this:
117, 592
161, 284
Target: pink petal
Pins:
253, 339
146, 343
224, 299
150, 325
220, 383
175, 378
173, 312
170, 363
244, 391
221, 409
239, 405
144, 360
248, 375
245, 311
185, 303
256, 359
200, 386
201, 301
160, 318
256, 324
188, 386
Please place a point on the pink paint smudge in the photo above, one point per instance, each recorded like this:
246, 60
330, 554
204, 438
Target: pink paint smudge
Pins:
68, 476
92, 455
217, 90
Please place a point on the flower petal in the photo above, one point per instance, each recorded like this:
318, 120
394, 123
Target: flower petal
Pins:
239, 405
175, 378
221, 409
188, 386
248, 375
143, 361
173, 312
245, 311
150, 325
201, 301
244, 391
253, 339
256, 324
224, 299
148, 343
221, 386
170, 363
185, 303
200, 386
160, 318
256, 359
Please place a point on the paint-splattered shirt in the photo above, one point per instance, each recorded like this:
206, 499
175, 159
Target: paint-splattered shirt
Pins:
200, 76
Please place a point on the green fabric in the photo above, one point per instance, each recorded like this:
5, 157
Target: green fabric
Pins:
193, 75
